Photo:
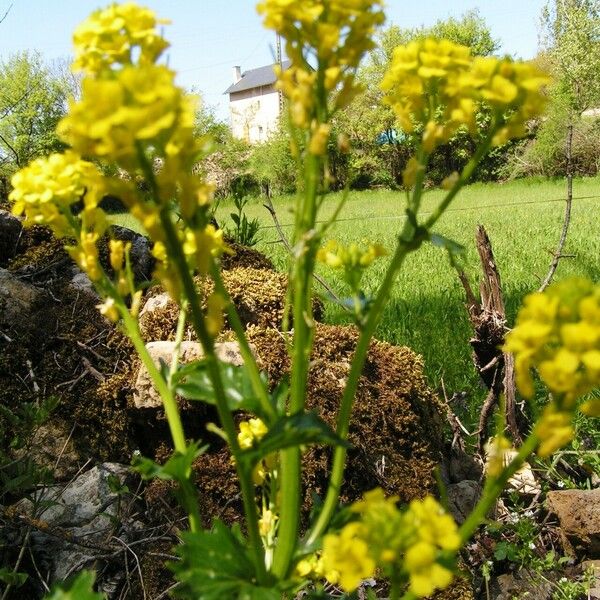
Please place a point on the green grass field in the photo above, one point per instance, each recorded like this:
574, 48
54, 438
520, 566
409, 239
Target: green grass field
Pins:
426, 310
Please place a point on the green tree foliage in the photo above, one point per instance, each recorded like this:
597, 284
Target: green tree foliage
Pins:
32, 100
571, 52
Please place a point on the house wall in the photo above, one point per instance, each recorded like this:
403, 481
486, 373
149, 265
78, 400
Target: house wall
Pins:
254, 113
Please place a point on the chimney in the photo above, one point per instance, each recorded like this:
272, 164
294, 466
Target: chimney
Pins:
237, 74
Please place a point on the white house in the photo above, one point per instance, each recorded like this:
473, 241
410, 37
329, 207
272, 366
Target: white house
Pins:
254, 103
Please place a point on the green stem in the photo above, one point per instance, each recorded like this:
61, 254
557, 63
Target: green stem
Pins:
190, 499
493, 488
358, 361
466, 174
175, 252
249, 361
290, 485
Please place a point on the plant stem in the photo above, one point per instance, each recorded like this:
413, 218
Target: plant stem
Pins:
249, 361
305, 244
175, 252
358, 361
493, 488
170, 406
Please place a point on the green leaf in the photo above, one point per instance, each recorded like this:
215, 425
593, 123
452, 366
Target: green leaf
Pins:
79, 588
454, 248
177, 468
9, 577
300, 429
216, 565
501, 551
194, 383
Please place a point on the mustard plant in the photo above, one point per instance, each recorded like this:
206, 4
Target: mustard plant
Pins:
132, 116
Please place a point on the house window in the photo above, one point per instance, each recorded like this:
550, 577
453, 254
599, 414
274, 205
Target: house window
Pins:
260, 132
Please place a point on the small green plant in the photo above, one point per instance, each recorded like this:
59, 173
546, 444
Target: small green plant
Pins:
244, 231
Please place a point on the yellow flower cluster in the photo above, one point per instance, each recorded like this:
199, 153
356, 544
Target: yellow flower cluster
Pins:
336, 33
558, 332
112, 35
336, 255
436, 86
45, 190
412, 541
252, 431
127, 110
353, 259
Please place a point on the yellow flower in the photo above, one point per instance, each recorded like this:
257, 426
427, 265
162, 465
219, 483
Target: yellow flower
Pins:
319, 139
554, 429
251, 430
412, 169
496, 451
267, 523
215, 319
425, 574
45, 190
109, 309
110, 37
438, 84
347, 554
337, 34
138, 104
117, 251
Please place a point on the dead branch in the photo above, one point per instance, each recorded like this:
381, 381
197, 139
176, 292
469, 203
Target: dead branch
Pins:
488, 318
269, 206
558, 254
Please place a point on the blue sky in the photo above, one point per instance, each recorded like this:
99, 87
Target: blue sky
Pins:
208, 37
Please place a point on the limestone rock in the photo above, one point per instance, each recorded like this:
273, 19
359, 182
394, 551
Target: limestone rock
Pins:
86, 509
578, 512
82, 283
10, 232
146, 396
522, 584
154, 303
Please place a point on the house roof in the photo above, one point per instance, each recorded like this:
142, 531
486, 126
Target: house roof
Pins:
256, 78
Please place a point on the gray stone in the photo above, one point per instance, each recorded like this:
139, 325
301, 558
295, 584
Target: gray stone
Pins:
85, 510
82, 283
578, 513
462, 498
142, 261
155, 303
10, 233
19, 303
523, 584
145, 394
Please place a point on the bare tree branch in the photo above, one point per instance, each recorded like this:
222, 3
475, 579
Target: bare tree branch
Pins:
269, 206
6, 13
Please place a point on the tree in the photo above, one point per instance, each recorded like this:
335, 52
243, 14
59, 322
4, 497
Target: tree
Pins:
571, 52
32, 100
571, 35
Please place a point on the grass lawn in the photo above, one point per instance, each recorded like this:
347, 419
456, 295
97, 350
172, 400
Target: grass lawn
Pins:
426, 310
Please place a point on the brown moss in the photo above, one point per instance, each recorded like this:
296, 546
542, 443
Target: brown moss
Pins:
244, 257
259, 296
395, 432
